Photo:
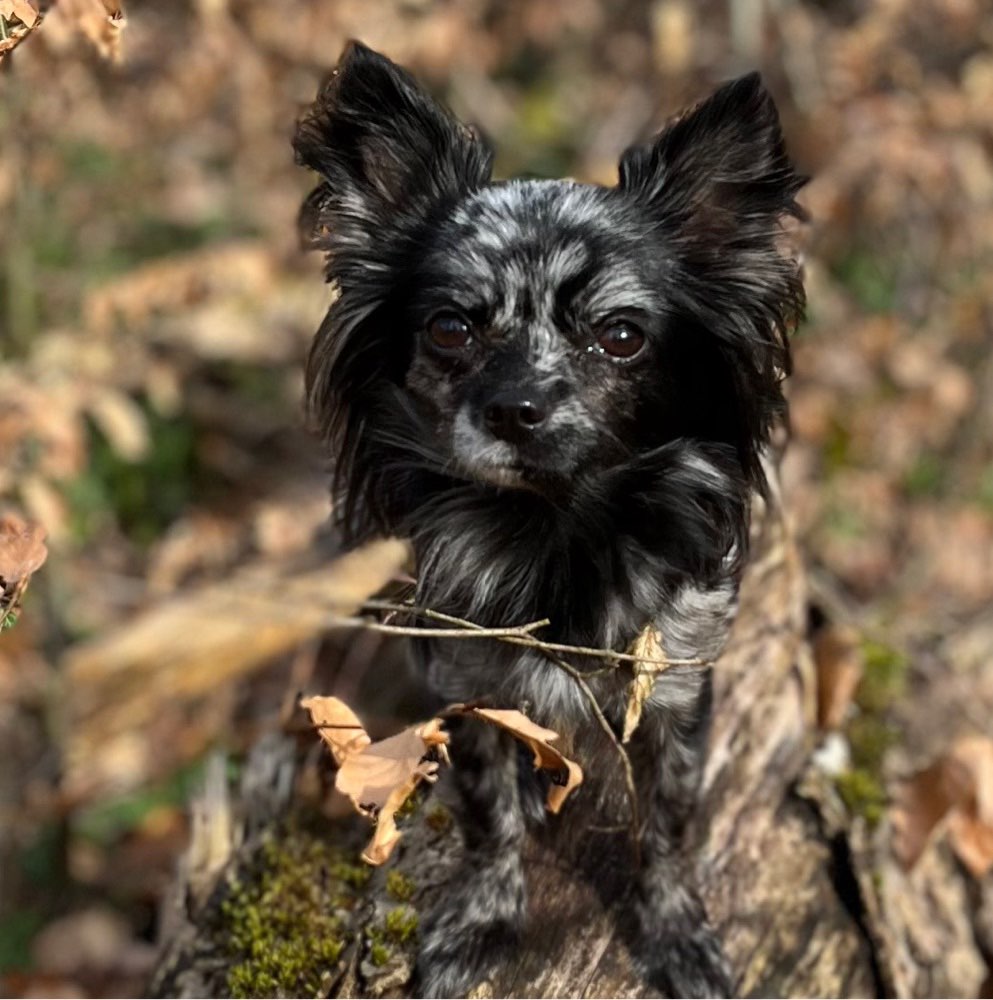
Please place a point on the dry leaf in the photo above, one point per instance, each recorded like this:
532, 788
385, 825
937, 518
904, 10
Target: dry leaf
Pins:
378, 777
565, 774
971, 821
371, 775
959, 786
972, 841
920, 804
22, 550
101, 21
24, 10
649, 646
337, 725
171, 284
839, 670
386, 835
16, 33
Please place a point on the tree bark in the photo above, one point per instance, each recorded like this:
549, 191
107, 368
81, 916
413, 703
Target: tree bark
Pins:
804, 900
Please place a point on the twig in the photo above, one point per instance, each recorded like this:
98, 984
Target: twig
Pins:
467, 628
471, 628
604, 722
468, 632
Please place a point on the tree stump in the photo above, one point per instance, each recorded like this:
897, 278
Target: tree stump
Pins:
271, 901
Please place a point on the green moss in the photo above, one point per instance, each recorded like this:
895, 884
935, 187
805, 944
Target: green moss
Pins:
278, 920
885, 677
871, 733
398, 928
401, 887
354, 876
400, 924
863, 794
379, 954
870, 737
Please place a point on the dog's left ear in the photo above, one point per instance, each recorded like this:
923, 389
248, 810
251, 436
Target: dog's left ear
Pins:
720, 172
717, 183
389, 154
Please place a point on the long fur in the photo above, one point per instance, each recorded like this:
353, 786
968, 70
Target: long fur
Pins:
626, 505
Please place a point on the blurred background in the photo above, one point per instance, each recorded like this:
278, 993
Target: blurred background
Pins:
155, 312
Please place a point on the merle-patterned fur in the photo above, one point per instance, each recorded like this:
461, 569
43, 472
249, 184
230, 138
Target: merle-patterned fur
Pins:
615, 494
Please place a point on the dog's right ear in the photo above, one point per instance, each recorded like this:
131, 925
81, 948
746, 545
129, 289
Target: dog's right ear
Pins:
389, 154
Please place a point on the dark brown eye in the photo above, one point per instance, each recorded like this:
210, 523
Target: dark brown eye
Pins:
449, 332
621, 340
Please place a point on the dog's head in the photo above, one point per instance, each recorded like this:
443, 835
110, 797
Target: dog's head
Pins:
527, 335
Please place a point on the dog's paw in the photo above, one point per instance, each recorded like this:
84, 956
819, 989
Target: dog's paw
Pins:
455, 957
687, 963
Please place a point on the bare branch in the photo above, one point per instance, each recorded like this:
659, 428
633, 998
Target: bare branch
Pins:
467, 629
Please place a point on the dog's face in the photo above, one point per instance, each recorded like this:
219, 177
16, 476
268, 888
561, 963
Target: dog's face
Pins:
531, 334
537, 325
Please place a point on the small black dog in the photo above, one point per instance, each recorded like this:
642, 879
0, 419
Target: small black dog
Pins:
561, 392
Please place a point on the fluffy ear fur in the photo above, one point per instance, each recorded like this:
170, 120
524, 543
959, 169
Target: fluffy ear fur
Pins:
389, 154
719, 183
392, 159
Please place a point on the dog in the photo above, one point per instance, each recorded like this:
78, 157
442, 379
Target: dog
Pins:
562, 393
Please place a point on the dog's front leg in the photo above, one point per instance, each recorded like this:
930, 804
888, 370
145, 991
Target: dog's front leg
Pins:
679, 952
477, 922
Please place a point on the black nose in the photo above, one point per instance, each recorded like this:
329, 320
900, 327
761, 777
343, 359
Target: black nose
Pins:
513, 416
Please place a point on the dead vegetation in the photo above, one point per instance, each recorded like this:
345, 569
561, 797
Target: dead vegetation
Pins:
154, 313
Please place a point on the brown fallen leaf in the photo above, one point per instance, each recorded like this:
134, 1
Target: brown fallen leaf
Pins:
22, 550
649, 646
566, 774
954, 793
838, 662
15, 33
101, 21
337, 725
369, 776
433, 742
165, 285
378, 777
25, 11
972, 841
971, 822
919, 805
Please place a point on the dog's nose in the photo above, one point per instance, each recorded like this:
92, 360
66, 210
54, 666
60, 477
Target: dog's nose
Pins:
513, 416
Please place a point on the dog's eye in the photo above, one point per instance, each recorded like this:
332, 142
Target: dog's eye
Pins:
449, 332
620, 340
